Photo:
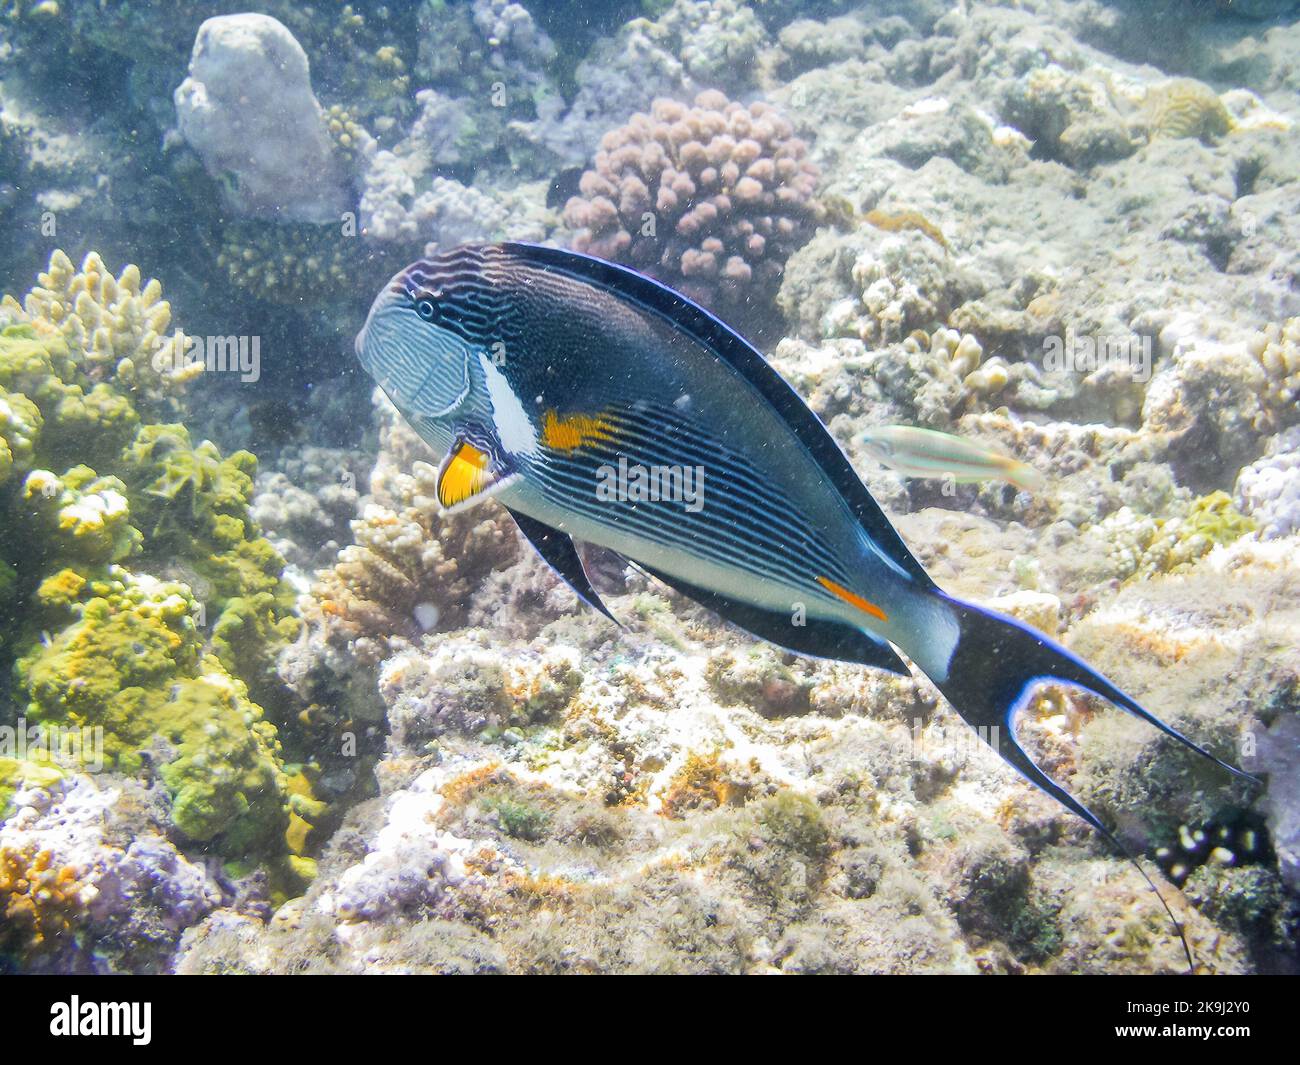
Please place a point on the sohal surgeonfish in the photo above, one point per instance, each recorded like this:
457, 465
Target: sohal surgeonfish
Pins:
595, 403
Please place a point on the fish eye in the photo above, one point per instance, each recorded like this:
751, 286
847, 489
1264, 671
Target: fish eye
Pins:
426, 309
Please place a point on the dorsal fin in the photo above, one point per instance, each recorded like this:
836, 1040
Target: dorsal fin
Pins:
694, 321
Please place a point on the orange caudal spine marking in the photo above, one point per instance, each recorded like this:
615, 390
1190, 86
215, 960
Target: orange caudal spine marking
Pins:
465, 475
570, 432
840, 592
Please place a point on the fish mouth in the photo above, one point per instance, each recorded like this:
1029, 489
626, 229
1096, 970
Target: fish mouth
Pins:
359, 345
392, 290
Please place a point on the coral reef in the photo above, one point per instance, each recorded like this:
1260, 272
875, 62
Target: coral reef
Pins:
409, 569
293, 264
1185, 107
495, 64
89, 881
150, 606
1278, 352
711, 198
115, 332
719, 42
1268, 490
409, 198
304, 506
691, 45
328, 728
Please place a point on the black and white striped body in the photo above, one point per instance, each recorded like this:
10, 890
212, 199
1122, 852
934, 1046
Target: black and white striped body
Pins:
535, 371
541, 346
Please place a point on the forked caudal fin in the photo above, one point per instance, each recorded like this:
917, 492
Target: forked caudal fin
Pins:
994, 668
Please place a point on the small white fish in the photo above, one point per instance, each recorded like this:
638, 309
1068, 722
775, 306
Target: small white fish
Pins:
929, 453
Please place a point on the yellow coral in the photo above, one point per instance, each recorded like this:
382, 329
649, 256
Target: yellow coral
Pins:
41, 900
20, 424
1278, 352
115, 325
1141, 547
896, 222
1185, 107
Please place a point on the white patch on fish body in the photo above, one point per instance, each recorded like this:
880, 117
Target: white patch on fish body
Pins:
514, 429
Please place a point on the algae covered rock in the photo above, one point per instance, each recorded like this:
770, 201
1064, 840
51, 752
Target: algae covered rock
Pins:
248, 109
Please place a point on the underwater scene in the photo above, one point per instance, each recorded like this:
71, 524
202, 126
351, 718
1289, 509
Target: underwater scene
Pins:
650, 486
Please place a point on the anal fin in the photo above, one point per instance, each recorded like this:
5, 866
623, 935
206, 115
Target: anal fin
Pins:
816, 638
557, 550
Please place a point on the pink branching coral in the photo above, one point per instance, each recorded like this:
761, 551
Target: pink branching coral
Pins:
711, 199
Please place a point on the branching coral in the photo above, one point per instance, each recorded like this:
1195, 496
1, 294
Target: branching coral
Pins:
115, 329
942, 375
411, 569
1278, 352
41, 898
711, 198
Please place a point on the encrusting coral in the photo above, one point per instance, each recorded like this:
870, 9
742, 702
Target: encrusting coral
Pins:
151, 607
1140, 547
711, 199
1185, 107
89, 880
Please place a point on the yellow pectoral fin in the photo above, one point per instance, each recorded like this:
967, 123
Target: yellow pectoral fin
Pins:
466, 473
572, 431
853, 599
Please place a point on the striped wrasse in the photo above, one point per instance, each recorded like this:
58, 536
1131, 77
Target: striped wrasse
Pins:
917, 452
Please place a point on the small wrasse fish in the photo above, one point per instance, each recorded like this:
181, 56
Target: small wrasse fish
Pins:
584, 396
929, 453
